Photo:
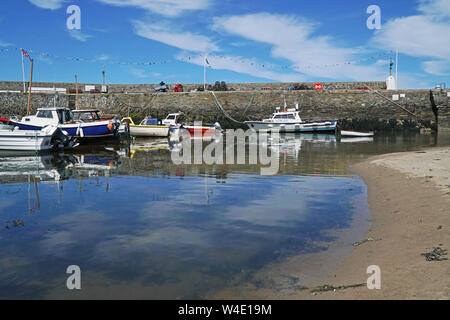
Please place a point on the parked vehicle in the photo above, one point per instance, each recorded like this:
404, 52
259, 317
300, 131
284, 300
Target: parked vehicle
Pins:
178, 88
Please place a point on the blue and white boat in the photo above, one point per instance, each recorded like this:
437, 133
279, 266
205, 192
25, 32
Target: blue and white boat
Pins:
63, 118
290, 121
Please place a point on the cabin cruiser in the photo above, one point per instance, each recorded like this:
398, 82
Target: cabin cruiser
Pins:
290, 121
64, 119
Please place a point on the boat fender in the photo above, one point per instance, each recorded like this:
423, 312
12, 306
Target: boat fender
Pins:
110, 126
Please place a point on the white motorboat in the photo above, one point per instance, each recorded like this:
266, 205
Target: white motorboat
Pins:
28, 140
175, 121
290, 121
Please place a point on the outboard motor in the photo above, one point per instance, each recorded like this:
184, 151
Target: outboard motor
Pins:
60, 139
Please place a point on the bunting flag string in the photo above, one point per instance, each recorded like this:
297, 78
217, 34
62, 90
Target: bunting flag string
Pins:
191, 58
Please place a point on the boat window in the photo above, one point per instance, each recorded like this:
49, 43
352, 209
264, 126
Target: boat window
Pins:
290, 116
172, 117
44, 114
68, 115
60, 116
64, 116
149, 122
85, 116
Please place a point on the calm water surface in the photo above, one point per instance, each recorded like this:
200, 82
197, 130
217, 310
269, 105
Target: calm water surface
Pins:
139, 226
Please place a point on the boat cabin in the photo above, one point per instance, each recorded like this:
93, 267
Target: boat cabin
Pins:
150, 122
85, 115
173, 119
49, 116
291, 115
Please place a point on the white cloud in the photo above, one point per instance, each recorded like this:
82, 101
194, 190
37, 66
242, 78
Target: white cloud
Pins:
418, 36
4, 44
139, 73
292, 38
48, 4
102, 57
233, 63
183, 40
78, 35
437, 67
436, 8
169, 8
421, 36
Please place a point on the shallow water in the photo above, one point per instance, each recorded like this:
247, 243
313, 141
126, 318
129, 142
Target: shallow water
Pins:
139, 226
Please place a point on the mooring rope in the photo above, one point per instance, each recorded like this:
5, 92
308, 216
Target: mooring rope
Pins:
395, 103
249, 105
222, 110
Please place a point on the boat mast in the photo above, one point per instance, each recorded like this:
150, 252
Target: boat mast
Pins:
29, 89
76, 92
396, 69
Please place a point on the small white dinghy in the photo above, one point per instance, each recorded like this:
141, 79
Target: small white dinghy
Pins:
27, 140
349, 134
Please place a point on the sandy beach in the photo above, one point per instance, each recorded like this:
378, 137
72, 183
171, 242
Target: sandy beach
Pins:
408, 237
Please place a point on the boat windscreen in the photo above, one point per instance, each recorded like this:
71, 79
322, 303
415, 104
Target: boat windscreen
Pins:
64, 116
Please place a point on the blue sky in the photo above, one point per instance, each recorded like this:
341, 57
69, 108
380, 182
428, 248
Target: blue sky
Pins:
245, 41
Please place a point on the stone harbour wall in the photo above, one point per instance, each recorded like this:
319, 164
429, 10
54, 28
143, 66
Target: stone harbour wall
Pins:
356, 109
150, 88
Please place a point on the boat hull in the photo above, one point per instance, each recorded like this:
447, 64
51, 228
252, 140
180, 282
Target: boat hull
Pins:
79, 130
149, 131
199, 130
355, 134
325, 126
20, 140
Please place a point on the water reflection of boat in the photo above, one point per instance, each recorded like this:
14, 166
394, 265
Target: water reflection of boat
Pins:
356, 134
354, 139
44, 167
296, 139
55, 167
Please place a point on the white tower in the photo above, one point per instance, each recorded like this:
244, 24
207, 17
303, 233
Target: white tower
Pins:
391, 84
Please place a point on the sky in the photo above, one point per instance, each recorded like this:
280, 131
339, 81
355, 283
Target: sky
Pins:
148, 41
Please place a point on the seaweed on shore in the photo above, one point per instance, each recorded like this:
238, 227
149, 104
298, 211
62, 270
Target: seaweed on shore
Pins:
436, 254
328, 287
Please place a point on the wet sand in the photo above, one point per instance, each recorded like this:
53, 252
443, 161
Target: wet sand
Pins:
409, 201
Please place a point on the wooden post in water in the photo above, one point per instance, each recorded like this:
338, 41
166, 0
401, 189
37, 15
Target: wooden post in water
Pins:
29, 89
38, 203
